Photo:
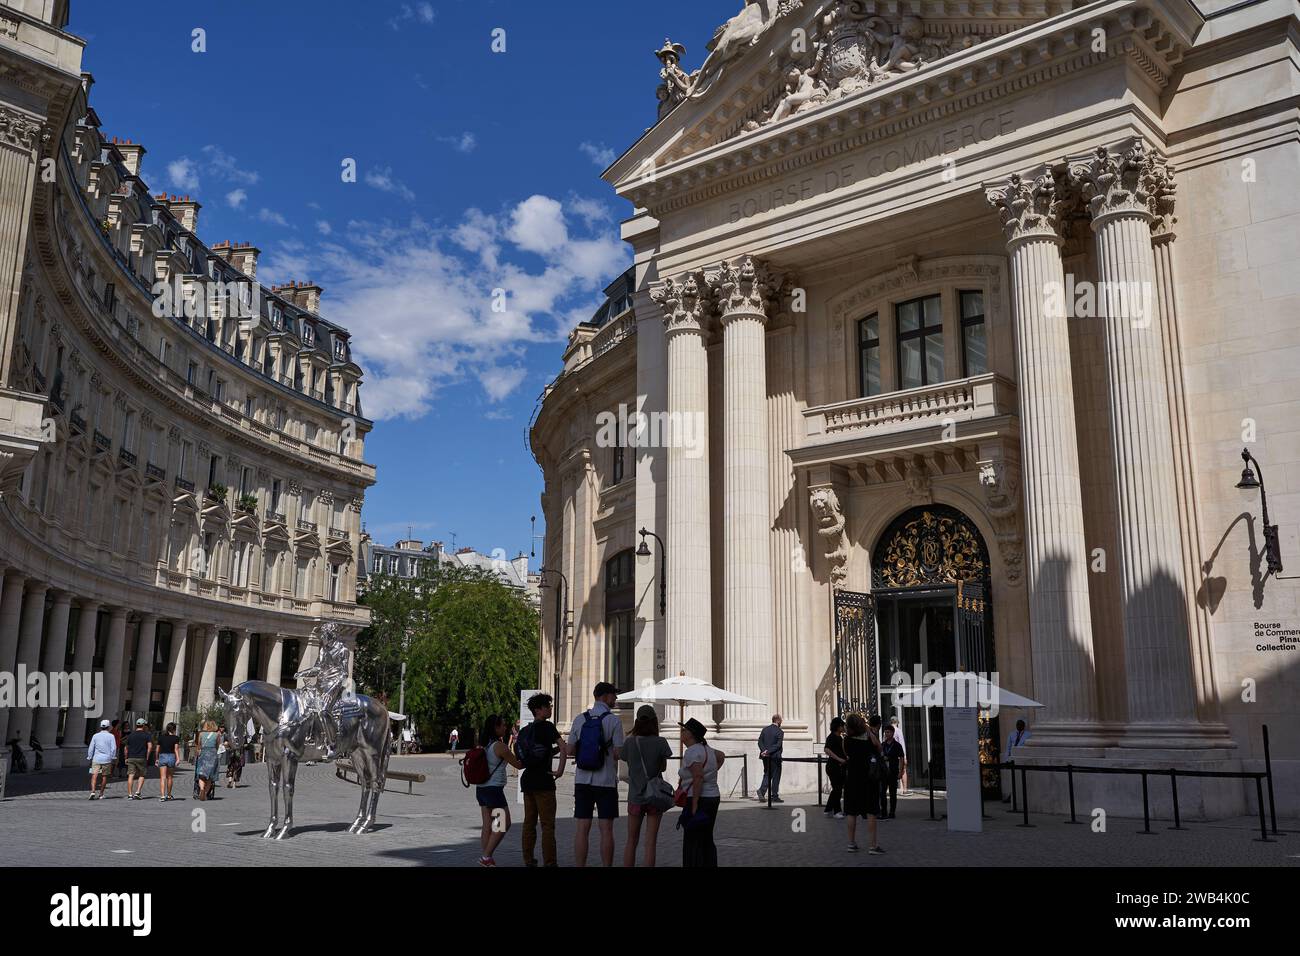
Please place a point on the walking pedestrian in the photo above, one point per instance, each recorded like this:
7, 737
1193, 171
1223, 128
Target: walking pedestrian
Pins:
454, 738
102, 752
894, 757
234, 763
649, 797
115, 727
205, 762
699, 796
493, 806
595, 741
836, 760
769, 749
862, 782
169, 755
137, 758
538, 745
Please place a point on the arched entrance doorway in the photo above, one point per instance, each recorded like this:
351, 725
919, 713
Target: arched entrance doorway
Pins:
928, 613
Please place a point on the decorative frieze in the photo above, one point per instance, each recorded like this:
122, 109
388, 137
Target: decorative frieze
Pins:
21, 130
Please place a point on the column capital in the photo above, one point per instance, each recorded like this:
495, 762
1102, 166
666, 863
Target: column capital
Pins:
118, 613
87, 604
1129, 179
62, 597
1030, 206
35, 587
684, 301
744, 287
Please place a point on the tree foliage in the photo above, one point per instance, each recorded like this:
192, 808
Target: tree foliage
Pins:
469, 641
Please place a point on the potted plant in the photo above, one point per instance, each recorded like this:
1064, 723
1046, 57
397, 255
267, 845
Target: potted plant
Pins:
217, 492
248, 503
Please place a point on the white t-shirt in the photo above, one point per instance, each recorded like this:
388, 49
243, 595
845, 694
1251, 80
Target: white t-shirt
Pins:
695, 754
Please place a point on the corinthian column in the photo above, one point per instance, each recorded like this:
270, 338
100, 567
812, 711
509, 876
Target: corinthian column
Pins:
1060, 622
114, 655
176, 658
83, 659
56, 650
142, 689
208, 675
689, 631
29, 654
1122, 187
11, 606
744, 290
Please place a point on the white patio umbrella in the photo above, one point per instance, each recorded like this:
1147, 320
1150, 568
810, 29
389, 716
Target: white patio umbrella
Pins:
964, 690
685, 690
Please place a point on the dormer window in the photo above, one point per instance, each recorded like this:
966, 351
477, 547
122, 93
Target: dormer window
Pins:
277, 317
308, 335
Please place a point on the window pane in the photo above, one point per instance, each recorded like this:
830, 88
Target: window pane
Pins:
871, 371
934, 358
869, 330
972, 304
933, 312
977, 359
909, 363
909, 316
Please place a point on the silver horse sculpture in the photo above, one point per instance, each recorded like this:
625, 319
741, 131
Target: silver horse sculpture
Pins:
319, 722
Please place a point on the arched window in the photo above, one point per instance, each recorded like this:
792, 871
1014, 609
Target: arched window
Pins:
620, 614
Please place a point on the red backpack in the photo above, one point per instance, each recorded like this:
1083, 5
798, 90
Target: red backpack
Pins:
474, 768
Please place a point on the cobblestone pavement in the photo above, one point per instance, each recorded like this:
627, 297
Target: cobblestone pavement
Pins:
47, 820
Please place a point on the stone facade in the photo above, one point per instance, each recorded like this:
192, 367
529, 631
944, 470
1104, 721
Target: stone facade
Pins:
1023, 273
181, 449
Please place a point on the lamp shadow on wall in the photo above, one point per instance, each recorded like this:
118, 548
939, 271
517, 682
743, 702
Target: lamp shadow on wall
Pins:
1212, 589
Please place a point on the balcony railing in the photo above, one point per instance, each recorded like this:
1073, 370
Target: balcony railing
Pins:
185, 485
979, 397
102, 441
40, 378
275, 516
307, 526
127, 457
337, 533
153, 471
77, 422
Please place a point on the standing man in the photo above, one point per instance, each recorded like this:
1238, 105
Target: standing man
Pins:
454, 739
538, 744
595, 741
1015, 739
137, 755
894, 756
101, 753
769, 749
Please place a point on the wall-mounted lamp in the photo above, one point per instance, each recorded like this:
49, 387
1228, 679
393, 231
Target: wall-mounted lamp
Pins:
1252, 480
643, 555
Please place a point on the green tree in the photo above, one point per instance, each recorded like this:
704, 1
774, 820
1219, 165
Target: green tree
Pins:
469, 641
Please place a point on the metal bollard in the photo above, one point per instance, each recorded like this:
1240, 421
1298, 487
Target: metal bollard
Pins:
1259, 801
1146, 807
1069, 775
1268, 769
1024, 794
1173, 783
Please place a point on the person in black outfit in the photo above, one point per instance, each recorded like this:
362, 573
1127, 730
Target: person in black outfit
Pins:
893, 752
862, 782
834, 751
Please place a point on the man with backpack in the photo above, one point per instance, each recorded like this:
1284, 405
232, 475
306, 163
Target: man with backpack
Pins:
536, 746
595, 742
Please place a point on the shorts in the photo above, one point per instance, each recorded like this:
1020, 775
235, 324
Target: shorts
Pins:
863, 804
643, 809
588, 798
167, 760
101, 768
135, 765
494, 798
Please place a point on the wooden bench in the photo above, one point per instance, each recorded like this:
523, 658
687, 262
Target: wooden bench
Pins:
344, 767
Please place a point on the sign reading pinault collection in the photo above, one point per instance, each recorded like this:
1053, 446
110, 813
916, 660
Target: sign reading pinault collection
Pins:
922, 147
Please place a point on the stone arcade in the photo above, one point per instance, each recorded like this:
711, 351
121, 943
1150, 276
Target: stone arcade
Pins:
849, 224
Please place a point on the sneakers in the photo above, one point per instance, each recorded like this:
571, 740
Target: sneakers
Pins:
486, 861
777, 800
839, 816
854, 848
876, 851
92, 796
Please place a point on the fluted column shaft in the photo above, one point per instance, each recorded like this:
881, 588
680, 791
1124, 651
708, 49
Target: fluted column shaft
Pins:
29, 654
176, 668
11, 608
689, 614
114, 654
83, 659
143, 685
749, 657
1150, 562
208, 675
275, 660
1060, 619
56, 650
242, 646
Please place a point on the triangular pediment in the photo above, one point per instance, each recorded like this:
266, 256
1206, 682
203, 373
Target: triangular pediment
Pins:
778, 58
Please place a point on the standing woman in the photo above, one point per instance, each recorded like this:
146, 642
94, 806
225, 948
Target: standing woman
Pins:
168, 755
205, 763
834, 751
861, 786
699, 787
492, 802
898, 736
646, 755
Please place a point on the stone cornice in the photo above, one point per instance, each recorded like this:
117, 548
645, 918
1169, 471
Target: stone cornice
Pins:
1154, 33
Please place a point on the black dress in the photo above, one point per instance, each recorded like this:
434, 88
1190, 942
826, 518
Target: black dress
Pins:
861, 793
835, 770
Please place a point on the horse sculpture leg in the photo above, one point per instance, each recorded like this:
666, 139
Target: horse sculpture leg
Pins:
379, 765
273, 785
366, 778
288, 776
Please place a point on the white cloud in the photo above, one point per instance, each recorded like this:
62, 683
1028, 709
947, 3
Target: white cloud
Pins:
271, 216
226, 168
422, 13
601, 154
419, 298
464, 143
323, 227
381, 178
236, 198
183, 174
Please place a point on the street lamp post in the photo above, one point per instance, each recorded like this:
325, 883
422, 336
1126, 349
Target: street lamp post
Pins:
1251, 480
643, 552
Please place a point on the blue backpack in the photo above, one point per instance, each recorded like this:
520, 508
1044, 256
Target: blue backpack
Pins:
591, 742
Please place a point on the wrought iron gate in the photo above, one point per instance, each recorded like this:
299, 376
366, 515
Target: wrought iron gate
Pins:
972, 627
856, 681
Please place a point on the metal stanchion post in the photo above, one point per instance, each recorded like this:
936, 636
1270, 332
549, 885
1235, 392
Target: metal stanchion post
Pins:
1024, 797
1268, 769
1173, 784
819, 779
1015, 802
1146, 807
1259, 800
1069, 772
929, 774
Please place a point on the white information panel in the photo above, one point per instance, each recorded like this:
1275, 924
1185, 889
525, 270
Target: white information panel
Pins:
961, 757
525, 718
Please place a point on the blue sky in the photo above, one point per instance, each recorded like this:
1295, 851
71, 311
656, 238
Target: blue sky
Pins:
476, 171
